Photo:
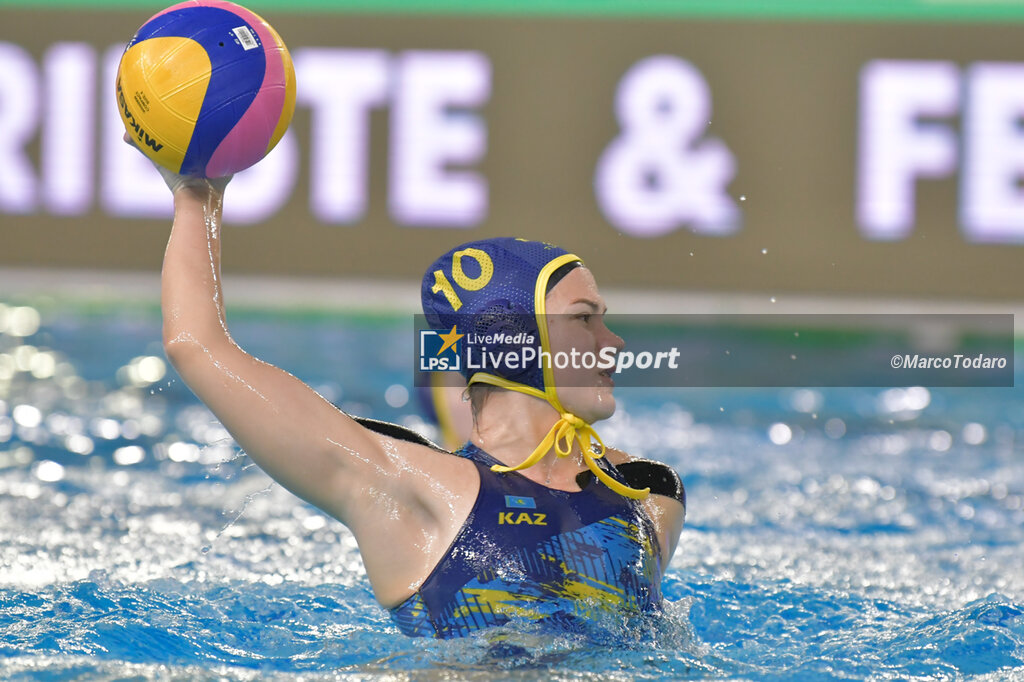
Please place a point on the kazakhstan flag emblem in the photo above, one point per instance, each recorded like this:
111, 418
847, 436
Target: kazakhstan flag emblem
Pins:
517, 502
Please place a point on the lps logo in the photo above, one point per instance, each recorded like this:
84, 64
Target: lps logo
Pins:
440, 352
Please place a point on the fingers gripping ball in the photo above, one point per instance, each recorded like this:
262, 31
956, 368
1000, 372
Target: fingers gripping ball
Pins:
206, 88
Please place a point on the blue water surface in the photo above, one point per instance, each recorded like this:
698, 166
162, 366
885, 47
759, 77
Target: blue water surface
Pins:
863, 533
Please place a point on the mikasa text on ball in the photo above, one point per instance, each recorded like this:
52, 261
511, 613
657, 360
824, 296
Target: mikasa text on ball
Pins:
206, 88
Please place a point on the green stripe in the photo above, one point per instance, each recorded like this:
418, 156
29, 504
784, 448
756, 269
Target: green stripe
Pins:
779, 10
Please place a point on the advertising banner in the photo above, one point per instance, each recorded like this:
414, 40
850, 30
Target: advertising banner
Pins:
824, 155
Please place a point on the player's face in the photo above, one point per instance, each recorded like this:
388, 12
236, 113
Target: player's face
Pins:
575, 316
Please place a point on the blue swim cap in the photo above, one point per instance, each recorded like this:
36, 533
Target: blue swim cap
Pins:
499, 285
495, 286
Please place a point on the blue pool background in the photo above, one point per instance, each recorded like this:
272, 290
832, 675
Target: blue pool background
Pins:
861, 533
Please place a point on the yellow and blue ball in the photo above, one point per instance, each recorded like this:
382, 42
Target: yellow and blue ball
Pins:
206, 88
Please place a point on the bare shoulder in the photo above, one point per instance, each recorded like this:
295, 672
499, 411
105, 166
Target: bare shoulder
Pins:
618, 457
412, 487
430, 465
424, 475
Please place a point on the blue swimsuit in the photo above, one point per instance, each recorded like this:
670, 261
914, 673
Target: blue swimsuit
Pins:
529, 552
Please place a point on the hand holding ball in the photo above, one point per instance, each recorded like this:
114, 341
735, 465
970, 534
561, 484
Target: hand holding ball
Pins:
206, 88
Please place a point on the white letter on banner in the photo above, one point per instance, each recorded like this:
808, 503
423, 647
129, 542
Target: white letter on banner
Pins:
68, 144
895, 146
19, 112
340, 86
992, 209
430, 130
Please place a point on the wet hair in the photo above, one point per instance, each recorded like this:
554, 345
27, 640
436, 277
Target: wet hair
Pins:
478, 395
559, 274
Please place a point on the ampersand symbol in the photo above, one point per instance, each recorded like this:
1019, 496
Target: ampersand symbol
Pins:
658, 174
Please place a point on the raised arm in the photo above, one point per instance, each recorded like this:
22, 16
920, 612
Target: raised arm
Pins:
404, 501
290, 431
294, 435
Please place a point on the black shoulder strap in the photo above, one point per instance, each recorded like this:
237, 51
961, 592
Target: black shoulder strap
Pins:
644, 473
396, 431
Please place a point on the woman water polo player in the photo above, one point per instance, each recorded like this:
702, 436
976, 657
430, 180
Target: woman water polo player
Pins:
530, 520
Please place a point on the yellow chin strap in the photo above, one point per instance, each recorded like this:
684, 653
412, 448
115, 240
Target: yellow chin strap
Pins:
569, 427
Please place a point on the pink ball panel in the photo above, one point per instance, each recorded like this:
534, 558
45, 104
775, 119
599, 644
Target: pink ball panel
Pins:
248, 140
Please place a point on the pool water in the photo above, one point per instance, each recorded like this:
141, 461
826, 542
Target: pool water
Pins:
861, 533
